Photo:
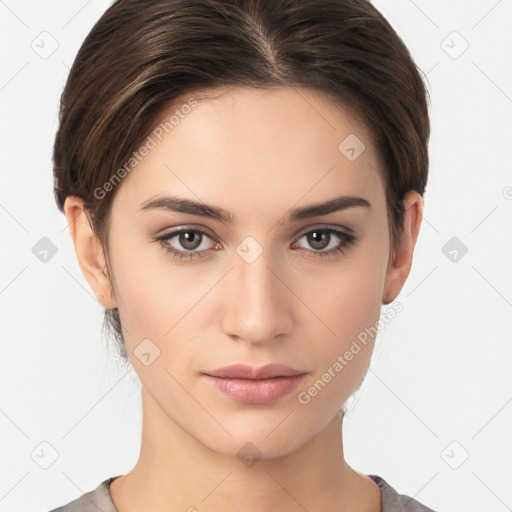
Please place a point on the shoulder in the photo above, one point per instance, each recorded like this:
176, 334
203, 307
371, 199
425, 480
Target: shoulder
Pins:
92, 501
392, 500
99, 499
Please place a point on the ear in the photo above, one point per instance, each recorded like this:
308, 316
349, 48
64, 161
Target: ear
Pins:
88, 251
400, 264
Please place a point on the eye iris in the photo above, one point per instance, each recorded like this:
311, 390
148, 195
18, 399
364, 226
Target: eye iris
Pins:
316, 239
188, 240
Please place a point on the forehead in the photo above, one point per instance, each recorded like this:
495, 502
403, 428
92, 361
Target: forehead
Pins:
268, 110
257, 146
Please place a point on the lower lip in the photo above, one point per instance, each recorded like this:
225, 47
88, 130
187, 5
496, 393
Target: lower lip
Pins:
264, 391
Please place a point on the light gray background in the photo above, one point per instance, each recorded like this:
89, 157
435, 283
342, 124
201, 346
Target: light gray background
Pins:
439, 389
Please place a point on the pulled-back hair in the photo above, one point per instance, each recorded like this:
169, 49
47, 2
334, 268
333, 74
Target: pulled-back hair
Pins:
142, 56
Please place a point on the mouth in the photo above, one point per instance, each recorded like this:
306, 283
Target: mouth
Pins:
263, 385
244, 371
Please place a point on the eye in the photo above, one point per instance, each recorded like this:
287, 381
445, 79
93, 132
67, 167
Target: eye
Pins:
322, 238
188, 244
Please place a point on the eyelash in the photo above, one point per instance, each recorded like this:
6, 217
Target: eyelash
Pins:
347, 238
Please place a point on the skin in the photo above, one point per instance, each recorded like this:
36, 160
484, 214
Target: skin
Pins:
257, 154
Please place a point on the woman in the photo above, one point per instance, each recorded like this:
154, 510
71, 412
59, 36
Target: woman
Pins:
243, 181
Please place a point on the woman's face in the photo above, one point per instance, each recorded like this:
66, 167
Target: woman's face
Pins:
270, 285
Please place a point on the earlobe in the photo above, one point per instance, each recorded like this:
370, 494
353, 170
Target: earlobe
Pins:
400, 266
88, 251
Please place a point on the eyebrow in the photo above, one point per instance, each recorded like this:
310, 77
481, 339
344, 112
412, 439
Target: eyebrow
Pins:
177, 204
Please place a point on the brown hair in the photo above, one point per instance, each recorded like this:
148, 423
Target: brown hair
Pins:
142, 55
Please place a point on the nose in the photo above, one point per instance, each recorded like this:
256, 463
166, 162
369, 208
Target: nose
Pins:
258, 307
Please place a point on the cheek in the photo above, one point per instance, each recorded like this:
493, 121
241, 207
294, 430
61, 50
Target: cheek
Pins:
348, 303
158, 303
155, 297
156, 300
348, 298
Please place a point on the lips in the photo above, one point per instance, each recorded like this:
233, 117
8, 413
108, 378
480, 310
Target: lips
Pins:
243, 371
263, 385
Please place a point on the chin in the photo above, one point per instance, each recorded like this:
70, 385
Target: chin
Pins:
252, 445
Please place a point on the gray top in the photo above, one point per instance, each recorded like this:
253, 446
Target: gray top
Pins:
99, 499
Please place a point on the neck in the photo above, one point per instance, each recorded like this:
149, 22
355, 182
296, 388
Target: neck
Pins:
177, 472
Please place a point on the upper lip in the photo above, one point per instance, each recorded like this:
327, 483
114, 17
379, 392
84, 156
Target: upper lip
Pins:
244, 371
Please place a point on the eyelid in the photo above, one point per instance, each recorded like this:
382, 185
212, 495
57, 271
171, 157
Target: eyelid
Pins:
346, 238
165, 235
298, 234
183, 227
320, 226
